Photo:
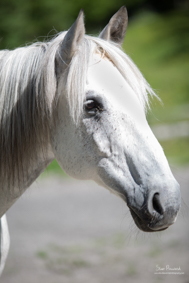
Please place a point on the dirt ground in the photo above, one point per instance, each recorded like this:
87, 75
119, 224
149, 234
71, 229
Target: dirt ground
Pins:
67, 231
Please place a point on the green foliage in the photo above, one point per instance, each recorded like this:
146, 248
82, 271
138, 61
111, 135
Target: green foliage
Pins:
177, 151
54, 168
152, 42
159, 45
24, 21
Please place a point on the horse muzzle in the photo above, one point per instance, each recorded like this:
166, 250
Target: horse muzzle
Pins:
158, 211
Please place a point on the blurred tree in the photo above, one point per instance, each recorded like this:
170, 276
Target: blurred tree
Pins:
24, 21
162, 6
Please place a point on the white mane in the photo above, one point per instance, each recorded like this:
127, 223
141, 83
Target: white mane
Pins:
29, 94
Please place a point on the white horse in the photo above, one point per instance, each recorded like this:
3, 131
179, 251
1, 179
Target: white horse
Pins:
81, 100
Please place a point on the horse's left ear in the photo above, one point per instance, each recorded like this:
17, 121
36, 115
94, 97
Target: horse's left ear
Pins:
116, 28
70, 43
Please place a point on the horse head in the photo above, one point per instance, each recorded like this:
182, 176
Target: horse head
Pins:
100, 131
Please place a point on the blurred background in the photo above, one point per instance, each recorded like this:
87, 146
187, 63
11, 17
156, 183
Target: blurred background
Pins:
81, 233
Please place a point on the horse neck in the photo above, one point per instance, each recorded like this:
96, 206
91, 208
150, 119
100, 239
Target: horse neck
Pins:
24, 128
11, 191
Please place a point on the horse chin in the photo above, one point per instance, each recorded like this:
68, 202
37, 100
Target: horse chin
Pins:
145, 226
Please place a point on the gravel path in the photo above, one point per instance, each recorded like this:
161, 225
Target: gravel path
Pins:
70, 231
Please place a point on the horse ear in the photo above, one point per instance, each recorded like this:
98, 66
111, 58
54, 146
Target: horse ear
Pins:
70, 43
116, 28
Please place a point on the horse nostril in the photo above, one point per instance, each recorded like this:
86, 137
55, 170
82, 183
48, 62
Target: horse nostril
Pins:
157, 204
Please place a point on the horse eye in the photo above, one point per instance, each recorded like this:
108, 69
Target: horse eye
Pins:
91, 105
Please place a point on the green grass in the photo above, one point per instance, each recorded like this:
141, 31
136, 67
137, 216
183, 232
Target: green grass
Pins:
157, 53
177, 151
54, 168
42, 255
159, 46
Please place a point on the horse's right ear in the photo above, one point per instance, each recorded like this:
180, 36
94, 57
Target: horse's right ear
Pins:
70, 43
